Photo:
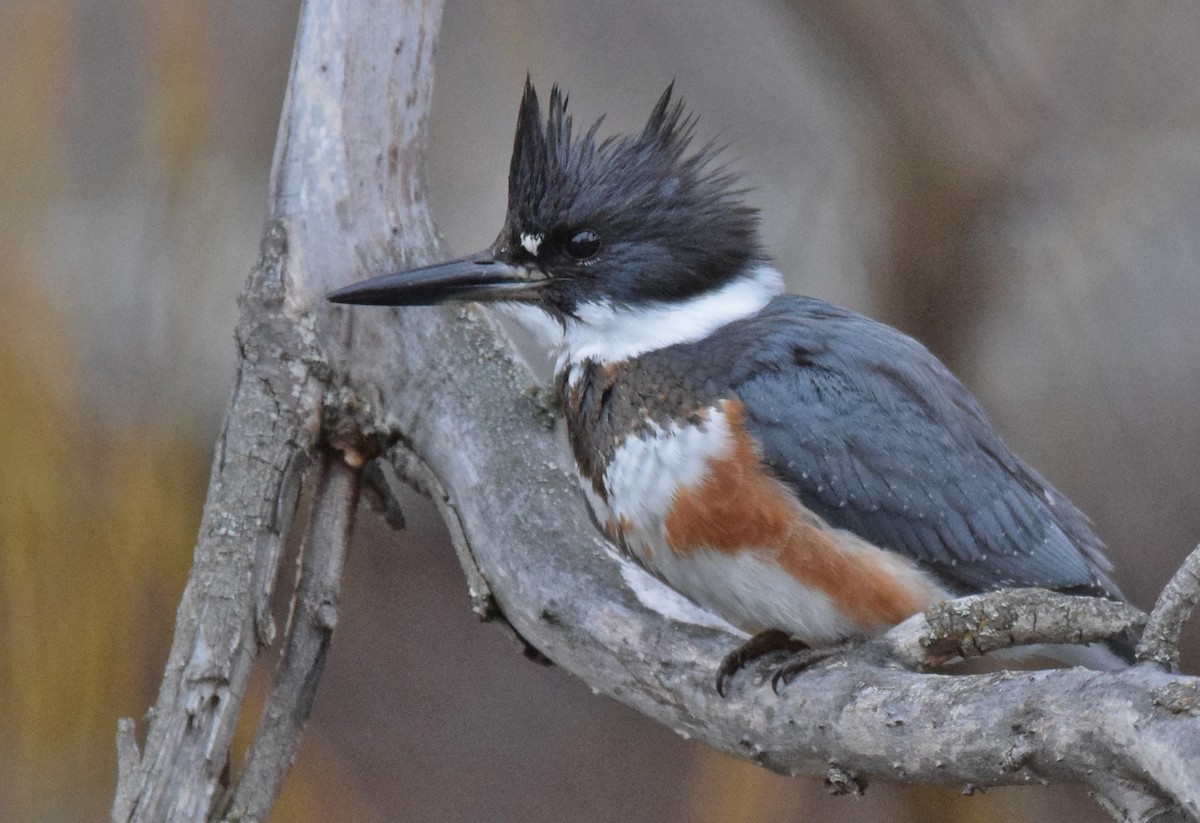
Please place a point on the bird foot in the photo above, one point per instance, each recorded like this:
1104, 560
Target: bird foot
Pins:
760, 645
807, 658
803, 660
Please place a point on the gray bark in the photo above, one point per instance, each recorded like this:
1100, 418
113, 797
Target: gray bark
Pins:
346, 196
1160, 642
439, 394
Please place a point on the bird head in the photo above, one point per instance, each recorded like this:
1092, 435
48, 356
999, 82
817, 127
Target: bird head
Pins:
603, 236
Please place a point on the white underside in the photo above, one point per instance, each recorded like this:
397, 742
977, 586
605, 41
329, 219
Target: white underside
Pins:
657, 596
747, 589
647, 471
752, 591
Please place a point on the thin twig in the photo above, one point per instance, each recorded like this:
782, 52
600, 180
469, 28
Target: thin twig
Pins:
310, 628
1160, 640
1128, 802
128, 769
982, 623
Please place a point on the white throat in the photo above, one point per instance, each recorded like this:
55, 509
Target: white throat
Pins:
609, 333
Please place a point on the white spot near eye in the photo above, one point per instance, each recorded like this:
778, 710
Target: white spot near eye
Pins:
532, 242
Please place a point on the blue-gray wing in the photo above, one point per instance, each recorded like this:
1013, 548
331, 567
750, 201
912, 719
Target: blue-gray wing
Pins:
877, 437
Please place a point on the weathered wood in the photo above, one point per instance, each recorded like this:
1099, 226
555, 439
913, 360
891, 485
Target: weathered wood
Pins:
309, 631
346, 195
1160, 642
269, 429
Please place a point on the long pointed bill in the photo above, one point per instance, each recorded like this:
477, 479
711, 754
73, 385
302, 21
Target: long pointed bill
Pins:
474, 278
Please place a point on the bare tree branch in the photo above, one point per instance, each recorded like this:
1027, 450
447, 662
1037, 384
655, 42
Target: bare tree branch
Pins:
128, 763
440, 394
1132, 804
310, 628
1160, 642
346, 178
973, 626
247, 514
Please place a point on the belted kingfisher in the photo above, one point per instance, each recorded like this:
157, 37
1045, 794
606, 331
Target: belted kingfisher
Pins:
796, 468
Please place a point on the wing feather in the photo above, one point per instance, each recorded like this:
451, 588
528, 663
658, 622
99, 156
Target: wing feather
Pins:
877, 437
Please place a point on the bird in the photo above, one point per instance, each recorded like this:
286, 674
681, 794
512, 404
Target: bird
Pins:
808, 474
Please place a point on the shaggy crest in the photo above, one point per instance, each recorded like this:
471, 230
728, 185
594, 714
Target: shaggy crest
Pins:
645, 188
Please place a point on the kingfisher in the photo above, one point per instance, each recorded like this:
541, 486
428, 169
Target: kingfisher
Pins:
808, 474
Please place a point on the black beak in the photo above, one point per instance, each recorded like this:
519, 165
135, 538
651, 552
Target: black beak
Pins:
478, 277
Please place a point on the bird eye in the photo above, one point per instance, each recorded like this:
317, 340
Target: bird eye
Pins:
583, 244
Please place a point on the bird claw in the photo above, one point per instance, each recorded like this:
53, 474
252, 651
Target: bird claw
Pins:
797, 663
760, 645
806, 659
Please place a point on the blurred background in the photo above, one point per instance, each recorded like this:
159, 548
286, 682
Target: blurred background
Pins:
1017, 184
